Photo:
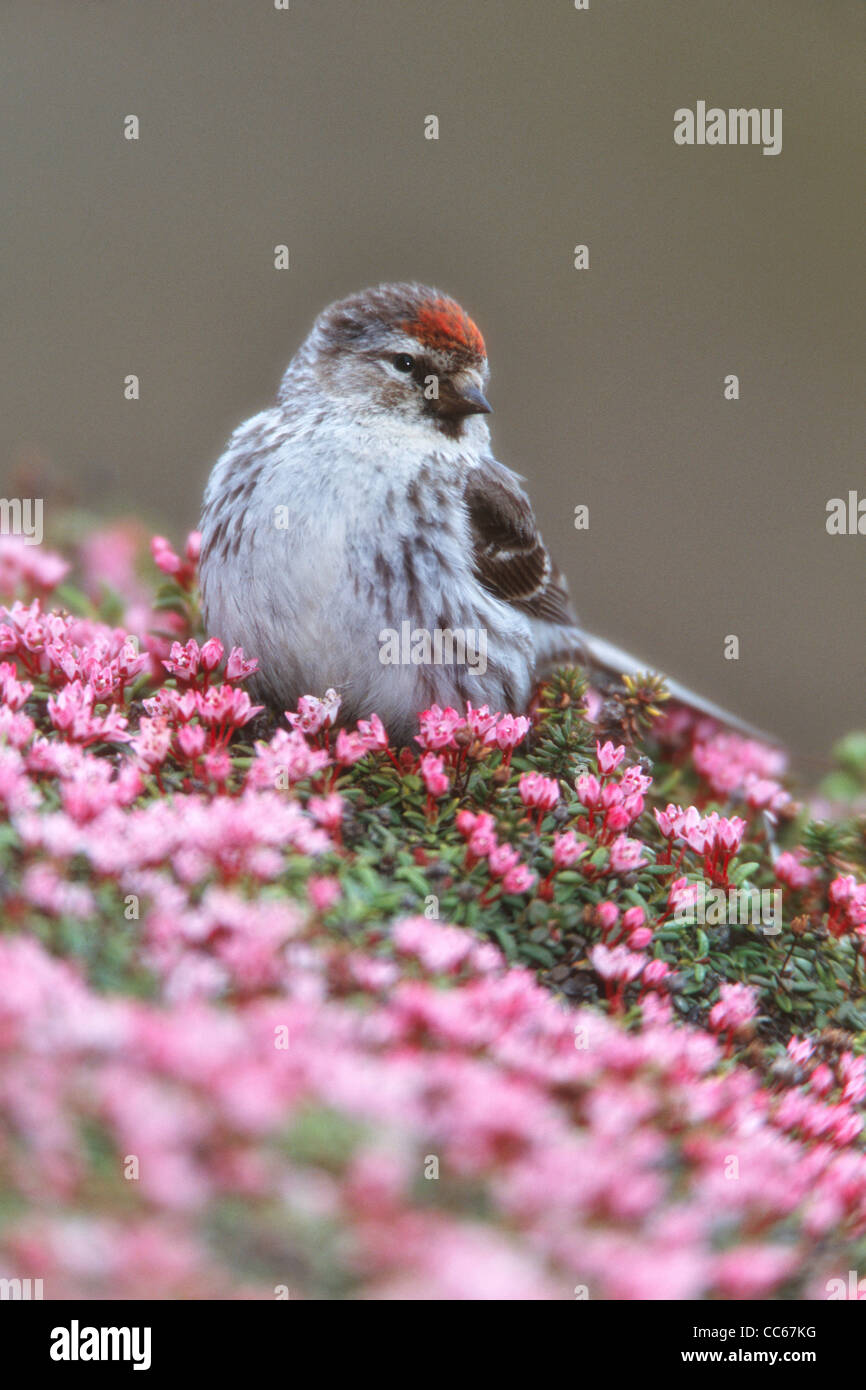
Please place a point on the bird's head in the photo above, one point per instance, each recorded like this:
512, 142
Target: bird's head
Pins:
402, 350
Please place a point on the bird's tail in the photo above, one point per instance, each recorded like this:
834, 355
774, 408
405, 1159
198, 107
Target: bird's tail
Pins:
601, 655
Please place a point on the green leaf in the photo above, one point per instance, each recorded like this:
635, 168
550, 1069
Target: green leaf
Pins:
77, 602
414, 877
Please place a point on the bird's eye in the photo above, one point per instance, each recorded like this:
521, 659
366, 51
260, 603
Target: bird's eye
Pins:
403, 362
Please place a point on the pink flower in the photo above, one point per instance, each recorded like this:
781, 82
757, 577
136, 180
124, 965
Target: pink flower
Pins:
15, 729
152, 742
592, 703
218, 764
715, 838
465, 822
607, 915
633, 919
323, 892
754, 1271
842, 889
510, 730
609, 756
170, 705
501, 859
566, 849
588, 789
184, 660
682, 895
617, 819
371, 733
72, 712
616, 963
287, 759
737, 1006
183, 571
481, 722
225, 708
434, 775
736, 766
92, 786
441, 949
536, 790
853, 1076
822, 1080
729, 832
634, 782
238, 667
667, 820
26, 566
655, 973
211, 654
482, 841
792, 872
350, 748
593, 1153
626, 856
800, 1049
314, 714
438, 727
518, 880
13, 693
847, 900
327, 810
16, 790
47, 889
191, 740
480, 830
639, 938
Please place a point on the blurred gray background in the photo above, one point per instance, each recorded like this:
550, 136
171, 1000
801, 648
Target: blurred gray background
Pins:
306, 127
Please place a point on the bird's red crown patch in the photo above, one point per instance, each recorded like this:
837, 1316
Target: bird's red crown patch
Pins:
441, 323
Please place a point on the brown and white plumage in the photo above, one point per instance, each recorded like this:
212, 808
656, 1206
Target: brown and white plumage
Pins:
395, 511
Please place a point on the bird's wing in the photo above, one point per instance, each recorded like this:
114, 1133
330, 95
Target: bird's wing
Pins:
511, 561
510, 558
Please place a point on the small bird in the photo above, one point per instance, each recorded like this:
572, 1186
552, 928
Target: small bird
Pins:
365, 512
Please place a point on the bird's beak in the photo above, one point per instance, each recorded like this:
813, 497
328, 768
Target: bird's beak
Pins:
470, 401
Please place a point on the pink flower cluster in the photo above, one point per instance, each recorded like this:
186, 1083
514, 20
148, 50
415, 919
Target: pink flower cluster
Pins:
604, 1155
620, 957
448, 730
62, 649
384, 1110
446, 737
714, 838
736, 767
737, 1007
192, 664
25, 567
847, 900
793, 872
182, 569
503, 862
541, 793
612, 803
